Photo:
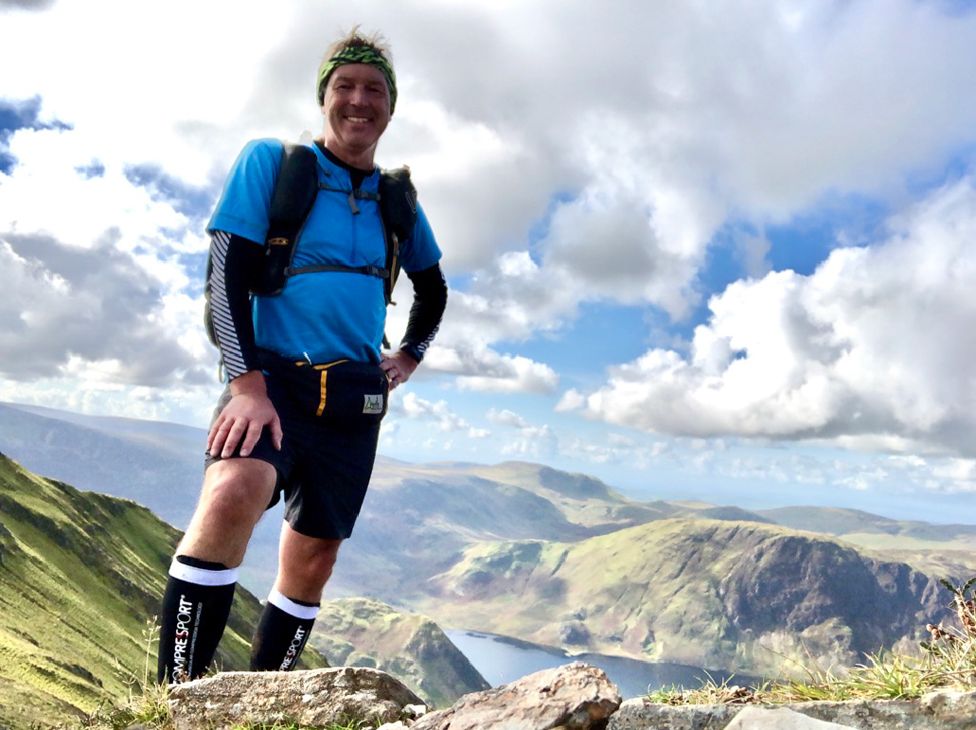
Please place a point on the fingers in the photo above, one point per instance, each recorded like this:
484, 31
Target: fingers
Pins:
276, 433
234, 437
251, 437
397, 369
217, 435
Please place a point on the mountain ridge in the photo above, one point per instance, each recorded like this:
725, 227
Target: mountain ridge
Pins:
692, 591
423, 526
81, 575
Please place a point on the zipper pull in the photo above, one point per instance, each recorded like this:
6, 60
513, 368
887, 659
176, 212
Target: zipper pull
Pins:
352, 203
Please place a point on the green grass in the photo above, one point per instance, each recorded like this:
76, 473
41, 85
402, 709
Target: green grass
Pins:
947, 661
80, 574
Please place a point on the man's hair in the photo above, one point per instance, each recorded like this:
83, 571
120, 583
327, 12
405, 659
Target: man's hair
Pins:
356, 39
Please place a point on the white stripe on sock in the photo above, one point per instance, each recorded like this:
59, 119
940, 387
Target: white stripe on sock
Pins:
290, 607
202, 576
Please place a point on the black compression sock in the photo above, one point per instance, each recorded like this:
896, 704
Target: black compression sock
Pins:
196, 605
282, 632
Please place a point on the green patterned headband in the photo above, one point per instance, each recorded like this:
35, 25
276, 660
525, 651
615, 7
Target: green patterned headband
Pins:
358, 54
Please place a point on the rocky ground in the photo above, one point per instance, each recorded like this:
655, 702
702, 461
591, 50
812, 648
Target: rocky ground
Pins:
572, 697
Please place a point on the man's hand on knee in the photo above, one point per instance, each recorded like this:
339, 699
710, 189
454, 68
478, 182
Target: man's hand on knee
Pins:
248, 411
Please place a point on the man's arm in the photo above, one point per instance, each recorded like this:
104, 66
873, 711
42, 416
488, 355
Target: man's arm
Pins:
236, 262
429, 301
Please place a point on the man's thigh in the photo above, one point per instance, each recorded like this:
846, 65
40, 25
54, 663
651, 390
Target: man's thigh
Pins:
234, 496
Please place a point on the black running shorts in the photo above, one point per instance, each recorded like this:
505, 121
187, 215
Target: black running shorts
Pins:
323, 467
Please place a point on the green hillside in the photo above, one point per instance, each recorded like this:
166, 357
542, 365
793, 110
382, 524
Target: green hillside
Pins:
583, 499
366, 633
79, 575
745, 597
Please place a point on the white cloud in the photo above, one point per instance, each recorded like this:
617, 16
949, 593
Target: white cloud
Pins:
532, 441
506, 417
416, 408
872, 344
734, 110
565, 153
537, 442
571, 400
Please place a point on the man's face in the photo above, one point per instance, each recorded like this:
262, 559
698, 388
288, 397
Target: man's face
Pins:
356, 107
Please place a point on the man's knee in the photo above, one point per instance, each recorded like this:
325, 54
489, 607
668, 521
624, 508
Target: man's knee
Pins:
316, 559
326, 554
306, 566
237, 490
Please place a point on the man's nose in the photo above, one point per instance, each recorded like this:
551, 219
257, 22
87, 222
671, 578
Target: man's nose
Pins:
359, 95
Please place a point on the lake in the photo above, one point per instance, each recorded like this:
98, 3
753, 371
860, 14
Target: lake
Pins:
501, 660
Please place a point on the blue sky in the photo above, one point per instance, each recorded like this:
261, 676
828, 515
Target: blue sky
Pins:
718, 251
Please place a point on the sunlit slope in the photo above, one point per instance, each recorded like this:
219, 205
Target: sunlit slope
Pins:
79, 575
411, 647
584, 500
743, 596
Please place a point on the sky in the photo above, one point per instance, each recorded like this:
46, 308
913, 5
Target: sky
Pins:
706, 250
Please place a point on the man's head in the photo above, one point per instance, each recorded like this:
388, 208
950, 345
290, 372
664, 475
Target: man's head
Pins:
357, 91
355, 48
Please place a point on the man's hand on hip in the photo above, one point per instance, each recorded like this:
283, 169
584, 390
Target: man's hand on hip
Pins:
248, 411
398, 366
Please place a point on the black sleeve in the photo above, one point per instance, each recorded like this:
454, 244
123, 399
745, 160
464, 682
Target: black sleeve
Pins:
235, 263
429, 300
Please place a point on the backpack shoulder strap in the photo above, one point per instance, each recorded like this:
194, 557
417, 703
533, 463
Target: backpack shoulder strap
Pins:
398, 208
291, 202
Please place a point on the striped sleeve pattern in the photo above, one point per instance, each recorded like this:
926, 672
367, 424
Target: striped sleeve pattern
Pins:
220, 303
430, 299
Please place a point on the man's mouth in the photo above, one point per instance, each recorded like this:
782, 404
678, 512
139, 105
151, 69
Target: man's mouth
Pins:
357, 120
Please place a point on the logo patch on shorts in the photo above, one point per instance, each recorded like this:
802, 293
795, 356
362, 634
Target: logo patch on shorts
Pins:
373, 403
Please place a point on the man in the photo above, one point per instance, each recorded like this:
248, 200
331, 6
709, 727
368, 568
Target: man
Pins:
262, 442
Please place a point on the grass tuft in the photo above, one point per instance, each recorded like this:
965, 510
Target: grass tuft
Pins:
147, 703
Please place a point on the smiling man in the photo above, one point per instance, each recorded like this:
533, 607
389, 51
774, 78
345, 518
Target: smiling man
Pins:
307, 379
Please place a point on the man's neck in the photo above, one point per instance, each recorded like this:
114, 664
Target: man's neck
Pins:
356, 174
355, 159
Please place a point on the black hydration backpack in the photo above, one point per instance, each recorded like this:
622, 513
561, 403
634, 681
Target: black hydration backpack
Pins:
295, 191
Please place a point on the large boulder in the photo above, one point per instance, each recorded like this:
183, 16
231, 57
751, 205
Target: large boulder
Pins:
318, 697
571, 697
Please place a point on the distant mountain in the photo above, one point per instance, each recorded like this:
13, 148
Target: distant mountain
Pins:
158, 465
432, 536
741, 596
841, 521
416, 520
582, 498
947, 550
361, 632
80, 574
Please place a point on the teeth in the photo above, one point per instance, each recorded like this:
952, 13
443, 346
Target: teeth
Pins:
357, 119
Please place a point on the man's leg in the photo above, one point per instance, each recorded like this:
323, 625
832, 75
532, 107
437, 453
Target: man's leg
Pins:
203, 574
304, 566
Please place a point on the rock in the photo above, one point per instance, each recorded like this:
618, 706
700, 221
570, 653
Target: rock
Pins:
949, 703
943, 710
412, 712
781, 718
315, 697
571, 697
639, 714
